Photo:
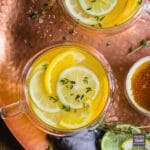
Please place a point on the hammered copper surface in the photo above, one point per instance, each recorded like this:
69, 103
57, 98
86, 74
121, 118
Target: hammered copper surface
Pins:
22, 35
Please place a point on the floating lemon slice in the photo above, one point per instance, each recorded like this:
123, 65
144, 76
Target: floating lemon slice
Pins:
58, 64
76, 11
98, 7
38, 95
112, 141
51, 119
77, 85
76, 118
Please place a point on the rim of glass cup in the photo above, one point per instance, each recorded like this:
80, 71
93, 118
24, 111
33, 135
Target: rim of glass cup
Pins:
131, 71
114, 29
47, 128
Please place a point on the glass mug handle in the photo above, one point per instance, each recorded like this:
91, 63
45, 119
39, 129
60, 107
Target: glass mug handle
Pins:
10, 110
146, 12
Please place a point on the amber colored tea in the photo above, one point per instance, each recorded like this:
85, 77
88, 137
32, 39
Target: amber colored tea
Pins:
141, 85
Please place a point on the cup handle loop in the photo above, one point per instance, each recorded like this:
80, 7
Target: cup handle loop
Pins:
146, 13
10, 110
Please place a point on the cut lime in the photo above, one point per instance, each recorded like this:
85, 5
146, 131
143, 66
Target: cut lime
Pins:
98, 7
128, 145
58, 64
78, 13
77, 85
38, 95
112, 140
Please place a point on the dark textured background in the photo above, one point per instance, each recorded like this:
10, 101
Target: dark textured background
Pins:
7, 141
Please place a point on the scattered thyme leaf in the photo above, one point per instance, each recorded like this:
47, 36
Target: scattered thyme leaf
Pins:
143, 44
33, 16
54, 98
88, 89
66, 108
85, 80
93, 1
77, 97
139, 2
82, 96
85, 105
89, 8
45, 66
64, 81
73, 82
108, 43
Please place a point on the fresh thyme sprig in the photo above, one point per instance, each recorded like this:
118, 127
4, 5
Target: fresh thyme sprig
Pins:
143, 44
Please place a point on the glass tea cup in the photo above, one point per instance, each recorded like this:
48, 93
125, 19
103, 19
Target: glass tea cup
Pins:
139, 13
23, 106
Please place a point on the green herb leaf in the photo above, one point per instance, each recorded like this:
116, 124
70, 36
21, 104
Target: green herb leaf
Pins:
73, 82
82, 96
85, 80
144, 43
66, 108
77, 97
33, 16
89, 8
45, 66
54, 98
85, 105
93, 1
88, 89
64, 81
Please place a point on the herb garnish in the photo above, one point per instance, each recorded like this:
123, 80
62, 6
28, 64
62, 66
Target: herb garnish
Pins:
66, 108
77, 97
139, 2
88, 89
89, 8
54, 98
45, 66
64, 81
85, 105
93, 1
85, 80
143, 44
33, 16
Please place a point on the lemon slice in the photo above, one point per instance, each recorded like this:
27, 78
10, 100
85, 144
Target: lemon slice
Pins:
98, 7
78, 13
112, 140
58, 64
38, 95
76, 85
76, 118
128, 144
51, 119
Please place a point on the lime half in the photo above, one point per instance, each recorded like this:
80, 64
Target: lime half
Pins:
112, 140
98, 7
128, 145
77, 85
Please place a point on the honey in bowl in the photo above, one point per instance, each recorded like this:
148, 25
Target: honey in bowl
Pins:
141, 85
68, 87
138, 85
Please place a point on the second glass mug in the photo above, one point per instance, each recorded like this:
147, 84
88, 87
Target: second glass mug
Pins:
139, 14
22, 106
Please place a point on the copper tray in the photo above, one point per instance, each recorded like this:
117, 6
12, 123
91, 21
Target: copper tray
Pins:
22, 35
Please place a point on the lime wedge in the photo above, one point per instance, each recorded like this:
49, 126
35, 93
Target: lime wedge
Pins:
112, 140
98, 7
78, 13
77, 85
128, 145
38, 95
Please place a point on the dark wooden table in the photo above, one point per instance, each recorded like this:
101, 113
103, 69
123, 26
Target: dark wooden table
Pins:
7, 141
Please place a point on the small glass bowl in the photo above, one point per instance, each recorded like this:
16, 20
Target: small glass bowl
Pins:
128, 86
